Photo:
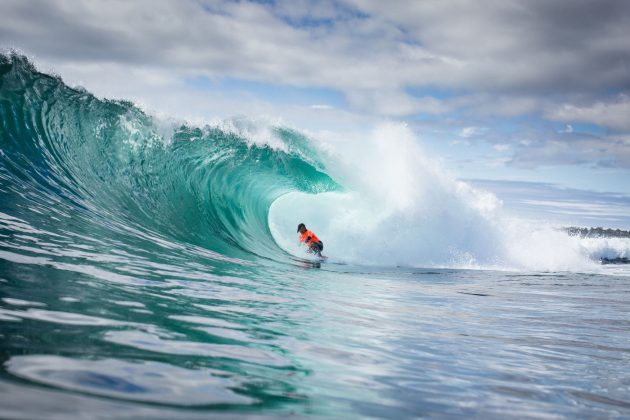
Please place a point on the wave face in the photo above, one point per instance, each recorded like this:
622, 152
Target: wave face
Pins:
106, 165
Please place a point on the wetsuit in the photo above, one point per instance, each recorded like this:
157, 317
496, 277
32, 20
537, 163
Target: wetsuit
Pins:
312, 241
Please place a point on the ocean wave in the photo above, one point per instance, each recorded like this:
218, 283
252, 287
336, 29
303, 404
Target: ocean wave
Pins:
76, 166
110, 167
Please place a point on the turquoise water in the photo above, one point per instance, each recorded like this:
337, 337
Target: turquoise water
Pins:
146, 271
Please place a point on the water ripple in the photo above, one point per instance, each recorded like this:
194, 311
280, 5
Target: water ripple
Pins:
139, 380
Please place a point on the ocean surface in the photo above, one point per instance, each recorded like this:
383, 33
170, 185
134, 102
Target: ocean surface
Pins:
149, 269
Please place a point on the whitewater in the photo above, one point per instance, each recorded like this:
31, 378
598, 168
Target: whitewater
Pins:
150, 268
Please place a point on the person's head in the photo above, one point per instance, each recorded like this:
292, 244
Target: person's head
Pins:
301, 228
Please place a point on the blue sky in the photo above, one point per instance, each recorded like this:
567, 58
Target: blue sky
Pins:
512, 91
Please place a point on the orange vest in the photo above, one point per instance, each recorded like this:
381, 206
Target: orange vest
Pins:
305, 235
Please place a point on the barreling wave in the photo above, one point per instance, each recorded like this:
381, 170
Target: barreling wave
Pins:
108, 166
78, 166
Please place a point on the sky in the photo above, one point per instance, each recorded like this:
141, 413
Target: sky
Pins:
506, 91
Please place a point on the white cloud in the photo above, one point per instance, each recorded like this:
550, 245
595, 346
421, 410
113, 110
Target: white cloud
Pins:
357, 45
574, 149
614, 115
468, 132
459, 142
394, 103
564, 206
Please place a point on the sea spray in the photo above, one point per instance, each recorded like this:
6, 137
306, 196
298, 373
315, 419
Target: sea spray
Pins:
396, 208
401, 207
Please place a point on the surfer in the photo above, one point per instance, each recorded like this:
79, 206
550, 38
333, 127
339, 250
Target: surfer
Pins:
311, 240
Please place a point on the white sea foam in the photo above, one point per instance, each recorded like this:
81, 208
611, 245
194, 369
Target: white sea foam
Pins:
255, 132
402, 208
